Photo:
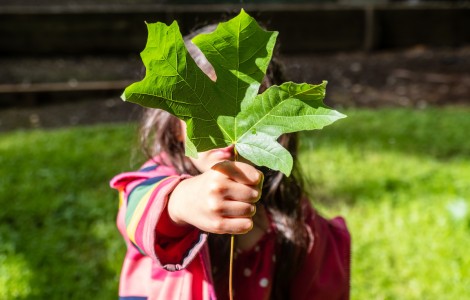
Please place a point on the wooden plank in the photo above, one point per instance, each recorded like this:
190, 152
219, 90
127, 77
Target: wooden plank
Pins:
71, 86
304, 28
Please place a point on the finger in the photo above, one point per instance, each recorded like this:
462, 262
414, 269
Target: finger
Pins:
239, 172
241, 192
237, 209
231, 226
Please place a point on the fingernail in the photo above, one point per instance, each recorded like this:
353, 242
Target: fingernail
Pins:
261, 179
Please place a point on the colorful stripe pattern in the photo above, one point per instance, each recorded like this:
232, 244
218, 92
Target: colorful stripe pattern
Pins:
138, 203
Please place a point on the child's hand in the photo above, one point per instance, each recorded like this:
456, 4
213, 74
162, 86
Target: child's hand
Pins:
221, 200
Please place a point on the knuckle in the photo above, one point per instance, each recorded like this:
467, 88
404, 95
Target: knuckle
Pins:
218, 225
217, 188
213, 205
212, 176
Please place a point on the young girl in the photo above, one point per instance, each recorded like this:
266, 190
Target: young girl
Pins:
177, 214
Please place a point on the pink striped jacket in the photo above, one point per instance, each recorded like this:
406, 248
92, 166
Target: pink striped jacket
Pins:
166, 262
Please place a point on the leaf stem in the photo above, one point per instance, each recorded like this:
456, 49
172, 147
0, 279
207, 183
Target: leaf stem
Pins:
232, 246
230, 277
236, 153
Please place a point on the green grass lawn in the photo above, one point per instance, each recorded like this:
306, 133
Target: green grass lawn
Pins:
400, 177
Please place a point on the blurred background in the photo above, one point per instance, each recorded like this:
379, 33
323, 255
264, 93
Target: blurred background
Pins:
398, 168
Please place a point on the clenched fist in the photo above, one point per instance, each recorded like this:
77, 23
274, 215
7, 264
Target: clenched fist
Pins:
220, 200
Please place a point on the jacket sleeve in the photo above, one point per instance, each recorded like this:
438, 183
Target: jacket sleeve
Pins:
325, 273
144, 222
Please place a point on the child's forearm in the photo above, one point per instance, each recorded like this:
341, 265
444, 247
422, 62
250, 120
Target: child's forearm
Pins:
149, 228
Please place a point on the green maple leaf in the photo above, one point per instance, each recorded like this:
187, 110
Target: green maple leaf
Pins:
229, 110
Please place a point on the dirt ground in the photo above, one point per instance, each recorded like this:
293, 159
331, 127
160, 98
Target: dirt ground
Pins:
417, 77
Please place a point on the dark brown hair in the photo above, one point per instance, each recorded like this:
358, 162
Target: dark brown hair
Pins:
282, 196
